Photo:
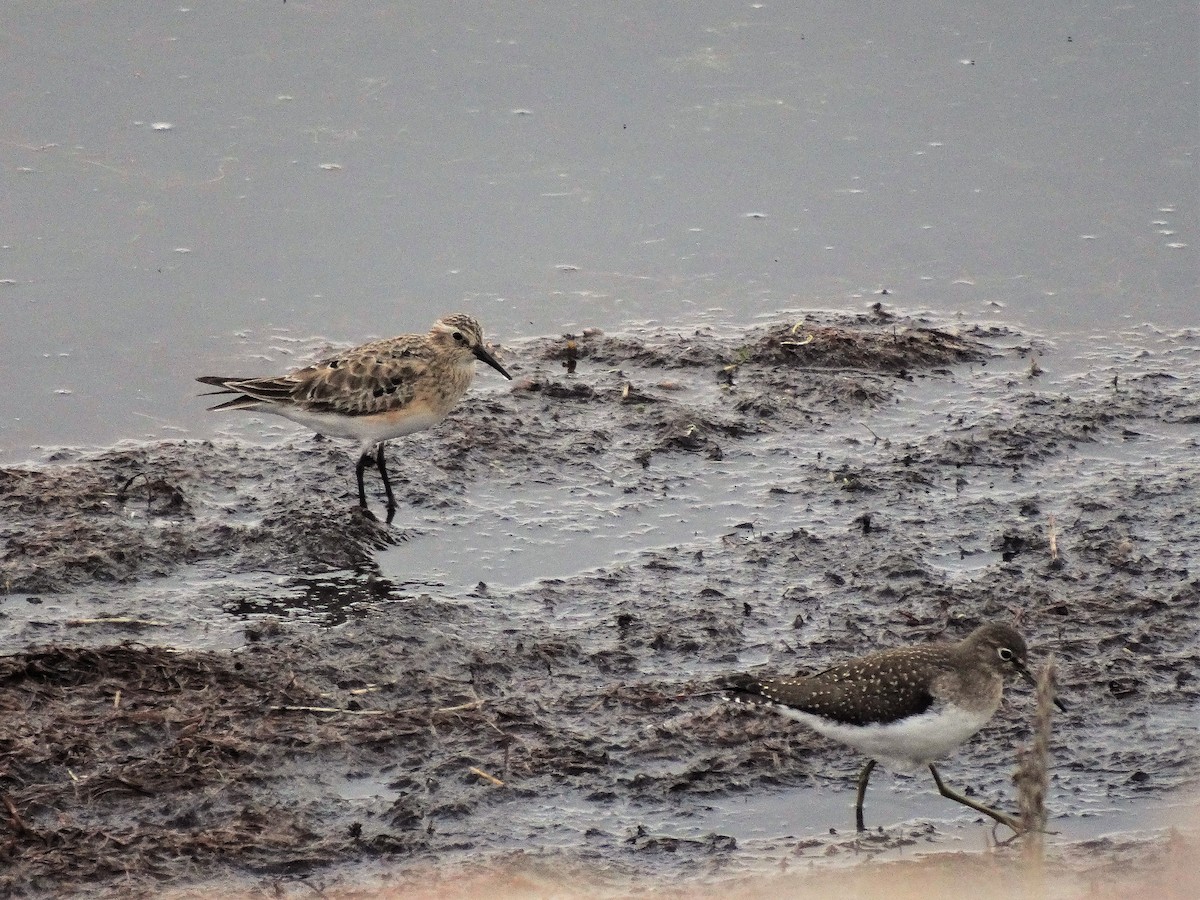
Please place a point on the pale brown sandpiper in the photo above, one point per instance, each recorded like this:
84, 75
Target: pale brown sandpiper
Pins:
372, 393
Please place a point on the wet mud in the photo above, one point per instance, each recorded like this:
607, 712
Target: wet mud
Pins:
851, 482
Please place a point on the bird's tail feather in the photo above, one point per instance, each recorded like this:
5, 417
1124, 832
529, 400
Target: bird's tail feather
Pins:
227, 385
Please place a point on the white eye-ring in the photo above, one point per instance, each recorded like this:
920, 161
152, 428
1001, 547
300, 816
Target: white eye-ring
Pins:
1005, 654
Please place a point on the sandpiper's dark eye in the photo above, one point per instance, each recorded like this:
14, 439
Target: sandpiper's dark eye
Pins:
1006, 654
458, 336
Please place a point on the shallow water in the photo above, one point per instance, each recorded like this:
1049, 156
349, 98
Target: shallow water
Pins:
197, 189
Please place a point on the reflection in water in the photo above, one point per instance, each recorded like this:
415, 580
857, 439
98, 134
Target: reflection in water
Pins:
326, 600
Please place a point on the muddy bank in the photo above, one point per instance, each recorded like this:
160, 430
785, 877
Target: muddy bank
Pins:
145, 511
846, 483
132, 514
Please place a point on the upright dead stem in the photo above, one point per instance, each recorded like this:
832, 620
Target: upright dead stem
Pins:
1032, 777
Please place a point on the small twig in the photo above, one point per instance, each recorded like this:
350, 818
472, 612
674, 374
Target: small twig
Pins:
462, 707
841, 370
1053, 537
330, 709
121, 492
312, 887
353, 692
477, 703
116, 620
18, 824
808, 339
485, 776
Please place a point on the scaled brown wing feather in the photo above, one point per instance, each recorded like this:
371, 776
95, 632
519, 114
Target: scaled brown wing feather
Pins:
371, 379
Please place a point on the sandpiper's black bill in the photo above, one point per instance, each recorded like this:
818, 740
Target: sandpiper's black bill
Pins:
1028, 676
481, 353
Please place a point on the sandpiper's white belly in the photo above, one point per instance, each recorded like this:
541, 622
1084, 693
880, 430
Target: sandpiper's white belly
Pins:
369, 429
907, 745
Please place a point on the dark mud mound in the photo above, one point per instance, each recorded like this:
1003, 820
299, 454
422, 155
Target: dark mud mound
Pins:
146, 765
135, 766
151, 734
886, 347
872, 343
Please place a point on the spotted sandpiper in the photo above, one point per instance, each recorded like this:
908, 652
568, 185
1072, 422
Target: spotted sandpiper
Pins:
904, 707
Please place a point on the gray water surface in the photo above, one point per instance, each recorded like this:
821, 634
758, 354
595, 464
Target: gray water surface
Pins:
217, 187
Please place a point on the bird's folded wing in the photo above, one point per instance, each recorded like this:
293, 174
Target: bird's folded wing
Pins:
362, 384
832, 696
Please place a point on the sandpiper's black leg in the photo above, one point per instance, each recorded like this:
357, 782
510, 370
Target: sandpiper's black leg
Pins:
363, 462
863, 777
387, 484
1002, 818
